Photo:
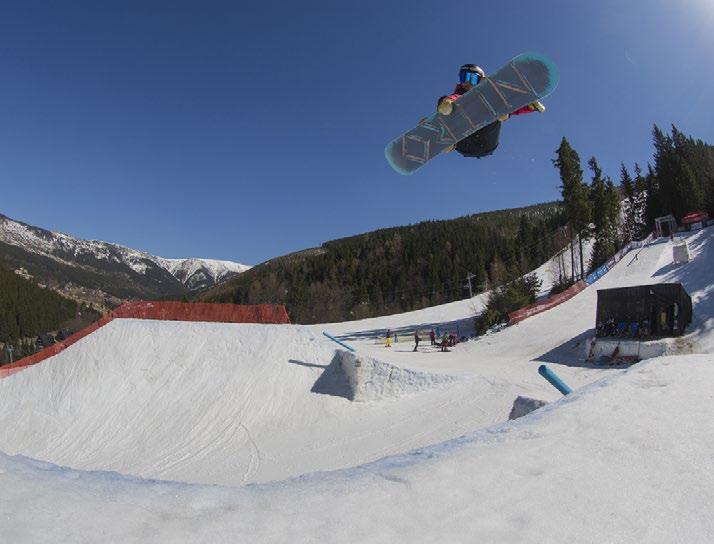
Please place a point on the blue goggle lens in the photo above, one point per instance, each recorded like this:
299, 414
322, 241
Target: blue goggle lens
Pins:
471, 77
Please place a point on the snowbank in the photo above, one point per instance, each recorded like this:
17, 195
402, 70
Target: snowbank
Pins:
625, 460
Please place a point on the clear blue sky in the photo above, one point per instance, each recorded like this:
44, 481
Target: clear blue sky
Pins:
246, 130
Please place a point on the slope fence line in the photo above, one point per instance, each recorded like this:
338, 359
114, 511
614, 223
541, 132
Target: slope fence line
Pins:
163, 311
541, 306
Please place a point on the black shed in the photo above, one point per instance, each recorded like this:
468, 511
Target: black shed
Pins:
662, 309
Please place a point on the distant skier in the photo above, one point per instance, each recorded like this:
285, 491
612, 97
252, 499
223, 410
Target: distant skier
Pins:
432, 337
485, 141
416, 340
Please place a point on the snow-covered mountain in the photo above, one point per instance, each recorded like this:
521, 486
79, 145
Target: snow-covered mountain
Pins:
65, 262
198, 273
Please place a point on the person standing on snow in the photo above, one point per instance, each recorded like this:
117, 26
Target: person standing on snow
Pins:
483, 142
416, 339
444, 342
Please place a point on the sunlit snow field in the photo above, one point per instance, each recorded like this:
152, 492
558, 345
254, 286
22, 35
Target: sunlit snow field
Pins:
162, 424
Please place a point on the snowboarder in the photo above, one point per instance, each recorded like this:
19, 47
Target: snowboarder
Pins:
485, 141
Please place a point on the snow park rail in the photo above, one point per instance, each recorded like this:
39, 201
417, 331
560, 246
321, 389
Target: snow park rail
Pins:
162, 311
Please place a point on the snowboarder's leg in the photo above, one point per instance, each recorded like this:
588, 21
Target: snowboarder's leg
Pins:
530, 108
482, 142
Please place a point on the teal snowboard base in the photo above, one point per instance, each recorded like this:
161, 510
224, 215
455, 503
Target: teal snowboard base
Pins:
525, 79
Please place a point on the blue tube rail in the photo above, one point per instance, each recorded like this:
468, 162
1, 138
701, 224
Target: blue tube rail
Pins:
340, 342
554, 380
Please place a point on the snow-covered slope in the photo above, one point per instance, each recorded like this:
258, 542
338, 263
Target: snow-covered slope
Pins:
626, 458
97, 255
212, 403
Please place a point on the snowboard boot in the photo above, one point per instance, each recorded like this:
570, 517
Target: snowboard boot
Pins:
445, 106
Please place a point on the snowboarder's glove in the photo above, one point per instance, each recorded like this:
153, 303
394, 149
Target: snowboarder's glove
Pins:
537, 106
445, 106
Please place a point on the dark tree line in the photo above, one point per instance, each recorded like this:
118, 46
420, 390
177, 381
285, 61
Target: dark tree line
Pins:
406, 268
681, 180
28, 310
403, 268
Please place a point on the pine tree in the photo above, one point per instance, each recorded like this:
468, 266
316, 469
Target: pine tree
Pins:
602, 248
639, 205
612, 213
577, 207
678, 190
653, 206
630, 203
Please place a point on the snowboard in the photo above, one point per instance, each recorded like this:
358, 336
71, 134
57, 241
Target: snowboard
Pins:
525, 79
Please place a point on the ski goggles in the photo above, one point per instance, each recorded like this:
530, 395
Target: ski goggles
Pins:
470, 77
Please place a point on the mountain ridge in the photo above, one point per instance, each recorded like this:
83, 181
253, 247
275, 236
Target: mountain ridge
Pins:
101, 272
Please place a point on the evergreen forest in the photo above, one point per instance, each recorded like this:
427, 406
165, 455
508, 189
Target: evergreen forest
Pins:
406, 268
27, 310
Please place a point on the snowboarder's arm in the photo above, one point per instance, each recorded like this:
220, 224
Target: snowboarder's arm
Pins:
524, 109
530, 108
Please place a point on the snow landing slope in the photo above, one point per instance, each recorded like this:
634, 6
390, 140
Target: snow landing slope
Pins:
625, 458
213, 403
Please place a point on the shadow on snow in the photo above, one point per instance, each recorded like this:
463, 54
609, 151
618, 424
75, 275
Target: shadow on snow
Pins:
332, 381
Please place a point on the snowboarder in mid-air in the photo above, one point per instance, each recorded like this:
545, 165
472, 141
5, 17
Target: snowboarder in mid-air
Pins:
483, 142
469, 120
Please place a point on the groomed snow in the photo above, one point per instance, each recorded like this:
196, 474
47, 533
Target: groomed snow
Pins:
626, 458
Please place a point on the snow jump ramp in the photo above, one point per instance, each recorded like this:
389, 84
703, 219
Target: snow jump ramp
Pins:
213, 403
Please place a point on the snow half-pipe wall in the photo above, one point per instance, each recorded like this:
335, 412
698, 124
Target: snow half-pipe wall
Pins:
163, 311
